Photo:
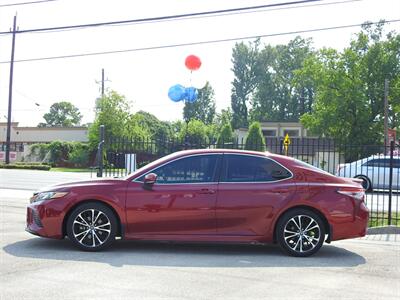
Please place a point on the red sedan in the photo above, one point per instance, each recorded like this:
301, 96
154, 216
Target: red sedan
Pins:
206, 195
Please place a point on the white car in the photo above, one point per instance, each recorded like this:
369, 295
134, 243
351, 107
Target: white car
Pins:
374, 171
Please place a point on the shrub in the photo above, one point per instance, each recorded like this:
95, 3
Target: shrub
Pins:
255, 139
225, 138
79, 156
25, 166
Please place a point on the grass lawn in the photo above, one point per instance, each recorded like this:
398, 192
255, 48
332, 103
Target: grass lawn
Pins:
381, 219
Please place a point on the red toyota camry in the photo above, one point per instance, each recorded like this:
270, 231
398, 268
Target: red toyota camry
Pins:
206, 195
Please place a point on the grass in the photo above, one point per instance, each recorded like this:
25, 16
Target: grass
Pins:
81, 170
381, 219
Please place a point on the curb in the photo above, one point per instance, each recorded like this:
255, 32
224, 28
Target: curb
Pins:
384, 230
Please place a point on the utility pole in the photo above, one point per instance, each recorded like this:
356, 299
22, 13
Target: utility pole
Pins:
102, 83
8, 140
386, 108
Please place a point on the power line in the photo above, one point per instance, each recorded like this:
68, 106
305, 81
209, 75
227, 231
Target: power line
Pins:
197, 43
210, 16
171, 17
26, 3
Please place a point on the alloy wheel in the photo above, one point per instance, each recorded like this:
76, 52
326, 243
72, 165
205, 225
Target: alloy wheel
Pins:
302, 234
91, 228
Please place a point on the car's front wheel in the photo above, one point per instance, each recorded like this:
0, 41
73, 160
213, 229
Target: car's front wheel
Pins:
300, 232
92, 226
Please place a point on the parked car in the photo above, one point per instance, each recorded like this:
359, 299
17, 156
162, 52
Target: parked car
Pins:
374, 171
209, 196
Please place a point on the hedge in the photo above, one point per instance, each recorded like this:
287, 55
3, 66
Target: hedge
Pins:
26, 166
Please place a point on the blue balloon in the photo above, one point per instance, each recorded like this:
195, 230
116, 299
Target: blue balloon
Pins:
191, 94
176, 93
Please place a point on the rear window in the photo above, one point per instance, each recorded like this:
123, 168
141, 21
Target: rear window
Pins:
313, 168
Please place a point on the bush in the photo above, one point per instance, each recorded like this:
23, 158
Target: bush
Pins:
79, 156
225, 138
25, 166
255, 139
62, 154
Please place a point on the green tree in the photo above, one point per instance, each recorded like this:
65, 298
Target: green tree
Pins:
255, 139
349, 88
112, 111
279, 96
194, 133
62, 114
225, 138
245, 69
157, 130
203, 108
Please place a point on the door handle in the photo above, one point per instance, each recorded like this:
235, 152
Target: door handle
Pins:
206, 191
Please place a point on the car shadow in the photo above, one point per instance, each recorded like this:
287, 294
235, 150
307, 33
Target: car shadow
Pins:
183, 255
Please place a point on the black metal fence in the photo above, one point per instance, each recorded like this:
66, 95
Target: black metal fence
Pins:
377, 166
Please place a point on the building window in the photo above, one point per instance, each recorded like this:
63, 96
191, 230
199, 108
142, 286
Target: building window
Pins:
269, 132
291, 132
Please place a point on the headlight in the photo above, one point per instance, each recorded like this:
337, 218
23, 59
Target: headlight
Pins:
47, 196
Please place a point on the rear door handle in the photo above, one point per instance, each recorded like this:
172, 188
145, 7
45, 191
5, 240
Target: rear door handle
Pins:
206, 191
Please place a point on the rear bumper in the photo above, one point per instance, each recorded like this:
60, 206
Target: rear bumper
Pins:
357, 228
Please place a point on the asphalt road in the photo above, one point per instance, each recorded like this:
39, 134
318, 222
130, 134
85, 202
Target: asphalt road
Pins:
38, 268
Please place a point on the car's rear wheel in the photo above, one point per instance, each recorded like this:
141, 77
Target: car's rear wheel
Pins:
92, 226
300, 232
366, 183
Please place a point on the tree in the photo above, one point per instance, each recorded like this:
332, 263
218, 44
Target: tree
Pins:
255, 139
225, 138
112, 110
194, 133
245, 69
62, 114
203, 108
158, 130
280, 96
349, 88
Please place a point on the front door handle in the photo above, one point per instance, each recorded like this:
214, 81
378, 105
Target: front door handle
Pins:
206, 191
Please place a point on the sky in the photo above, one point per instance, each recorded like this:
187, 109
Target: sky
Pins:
145, 76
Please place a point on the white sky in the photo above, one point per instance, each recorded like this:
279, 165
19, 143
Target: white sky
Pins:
145, 76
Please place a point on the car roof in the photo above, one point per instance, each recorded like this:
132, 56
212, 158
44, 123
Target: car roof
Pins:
219, 150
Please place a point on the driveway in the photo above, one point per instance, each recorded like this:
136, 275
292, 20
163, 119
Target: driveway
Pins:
38, 268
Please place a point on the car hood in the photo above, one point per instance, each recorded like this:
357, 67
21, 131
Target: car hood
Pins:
84, 183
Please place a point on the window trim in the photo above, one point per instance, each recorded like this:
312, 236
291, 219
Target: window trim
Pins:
255, 182
215, 175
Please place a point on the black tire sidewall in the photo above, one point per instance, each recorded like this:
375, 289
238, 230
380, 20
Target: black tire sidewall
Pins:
281, 226
98, 206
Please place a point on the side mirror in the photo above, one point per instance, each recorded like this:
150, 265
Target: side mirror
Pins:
150, 179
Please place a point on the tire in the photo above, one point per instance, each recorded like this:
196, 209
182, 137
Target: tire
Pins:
300, 240
366, 183
89, 235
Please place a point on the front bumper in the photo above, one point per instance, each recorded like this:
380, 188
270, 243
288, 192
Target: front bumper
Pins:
45, 219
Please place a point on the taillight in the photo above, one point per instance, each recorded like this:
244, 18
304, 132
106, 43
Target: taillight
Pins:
356, 193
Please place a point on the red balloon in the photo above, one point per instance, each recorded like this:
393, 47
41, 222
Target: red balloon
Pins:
192, 62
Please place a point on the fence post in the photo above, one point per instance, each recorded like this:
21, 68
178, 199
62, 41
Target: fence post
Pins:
390, 183
100, 152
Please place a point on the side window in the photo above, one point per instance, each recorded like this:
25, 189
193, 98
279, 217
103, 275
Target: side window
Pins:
245, 168
378, 163
193, 169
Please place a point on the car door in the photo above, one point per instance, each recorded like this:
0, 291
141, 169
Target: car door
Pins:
252, 188
181, 201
